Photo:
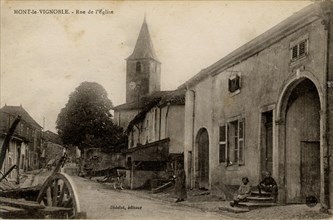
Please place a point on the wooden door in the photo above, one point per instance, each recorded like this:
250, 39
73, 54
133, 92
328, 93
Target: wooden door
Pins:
269, 148
267, 142
310, 169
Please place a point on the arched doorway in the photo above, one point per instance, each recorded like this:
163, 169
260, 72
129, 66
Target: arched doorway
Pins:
301, 138
202, 142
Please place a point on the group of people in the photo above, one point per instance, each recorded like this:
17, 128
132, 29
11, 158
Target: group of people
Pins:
267, 184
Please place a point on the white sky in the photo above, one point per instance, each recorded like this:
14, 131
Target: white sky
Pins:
45, 57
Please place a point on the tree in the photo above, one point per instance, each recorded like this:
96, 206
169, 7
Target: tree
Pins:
86, 120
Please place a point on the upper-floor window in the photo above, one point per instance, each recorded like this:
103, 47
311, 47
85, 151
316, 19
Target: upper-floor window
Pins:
234, 83
299, 49
231, 142
138, 67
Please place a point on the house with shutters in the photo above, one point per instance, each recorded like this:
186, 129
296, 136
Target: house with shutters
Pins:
267, 106
153, 119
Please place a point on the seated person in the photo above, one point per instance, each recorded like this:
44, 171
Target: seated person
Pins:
244, 191
268, 184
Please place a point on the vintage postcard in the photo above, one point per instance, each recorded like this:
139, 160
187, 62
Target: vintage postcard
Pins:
166, 109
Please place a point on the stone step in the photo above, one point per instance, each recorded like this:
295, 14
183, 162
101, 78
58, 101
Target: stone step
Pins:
234, 209
260, 199
263, 194
255, 205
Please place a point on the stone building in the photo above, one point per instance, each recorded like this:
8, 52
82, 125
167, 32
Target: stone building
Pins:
267, 106
153, 119
25, 145
156, 137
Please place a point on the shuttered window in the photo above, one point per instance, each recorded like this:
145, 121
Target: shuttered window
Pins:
232, 142
299, 50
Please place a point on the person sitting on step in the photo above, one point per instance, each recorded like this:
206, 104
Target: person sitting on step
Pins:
244, 191
268, 184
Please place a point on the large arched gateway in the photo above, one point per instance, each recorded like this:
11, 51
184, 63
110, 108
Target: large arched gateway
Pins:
202, 159
300, 142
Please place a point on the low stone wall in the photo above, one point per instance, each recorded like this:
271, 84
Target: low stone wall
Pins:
96, 160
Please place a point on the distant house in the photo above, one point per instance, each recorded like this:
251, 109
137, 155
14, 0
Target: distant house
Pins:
25, 145
153, 119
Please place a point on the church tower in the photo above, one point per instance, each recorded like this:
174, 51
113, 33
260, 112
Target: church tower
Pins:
143, 70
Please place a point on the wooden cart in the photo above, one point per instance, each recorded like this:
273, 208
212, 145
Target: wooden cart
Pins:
56, 198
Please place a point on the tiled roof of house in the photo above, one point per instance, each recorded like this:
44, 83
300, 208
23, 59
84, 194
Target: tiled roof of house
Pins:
160, 98
51, 137
176, 97
19, 110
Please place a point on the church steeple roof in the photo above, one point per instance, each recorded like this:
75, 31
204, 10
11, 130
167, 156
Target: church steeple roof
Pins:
144, 46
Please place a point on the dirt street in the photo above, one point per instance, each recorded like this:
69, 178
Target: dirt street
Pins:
102, 202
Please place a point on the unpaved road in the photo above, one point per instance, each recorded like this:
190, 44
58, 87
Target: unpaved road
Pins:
102, 202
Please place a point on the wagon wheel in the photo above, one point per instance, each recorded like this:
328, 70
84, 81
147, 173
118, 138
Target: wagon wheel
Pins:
59, 191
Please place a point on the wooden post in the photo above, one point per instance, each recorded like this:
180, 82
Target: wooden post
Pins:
18, 163
132, 174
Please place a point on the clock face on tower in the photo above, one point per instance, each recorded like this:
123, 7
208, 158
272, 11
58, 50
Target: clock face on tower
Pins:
132, 85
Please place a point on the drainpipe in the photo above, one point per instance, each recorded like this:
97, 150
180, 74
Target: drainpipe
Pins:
192, 179
166, 121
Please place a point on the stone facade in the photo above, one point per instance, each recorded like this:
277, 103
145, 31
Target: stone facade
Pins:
265, 107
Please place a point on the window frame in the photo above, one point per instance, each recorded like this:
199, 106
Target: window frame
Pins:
297, 44
238, 146
237, 77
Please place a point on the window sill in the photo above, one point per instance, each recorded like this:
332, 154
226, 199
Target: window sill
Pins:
298, 61
234, 93
231, 167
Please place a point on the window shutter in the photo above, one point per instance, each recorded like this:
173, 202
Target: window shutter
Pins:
294, 52
241, 148
222, 143
302, 48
